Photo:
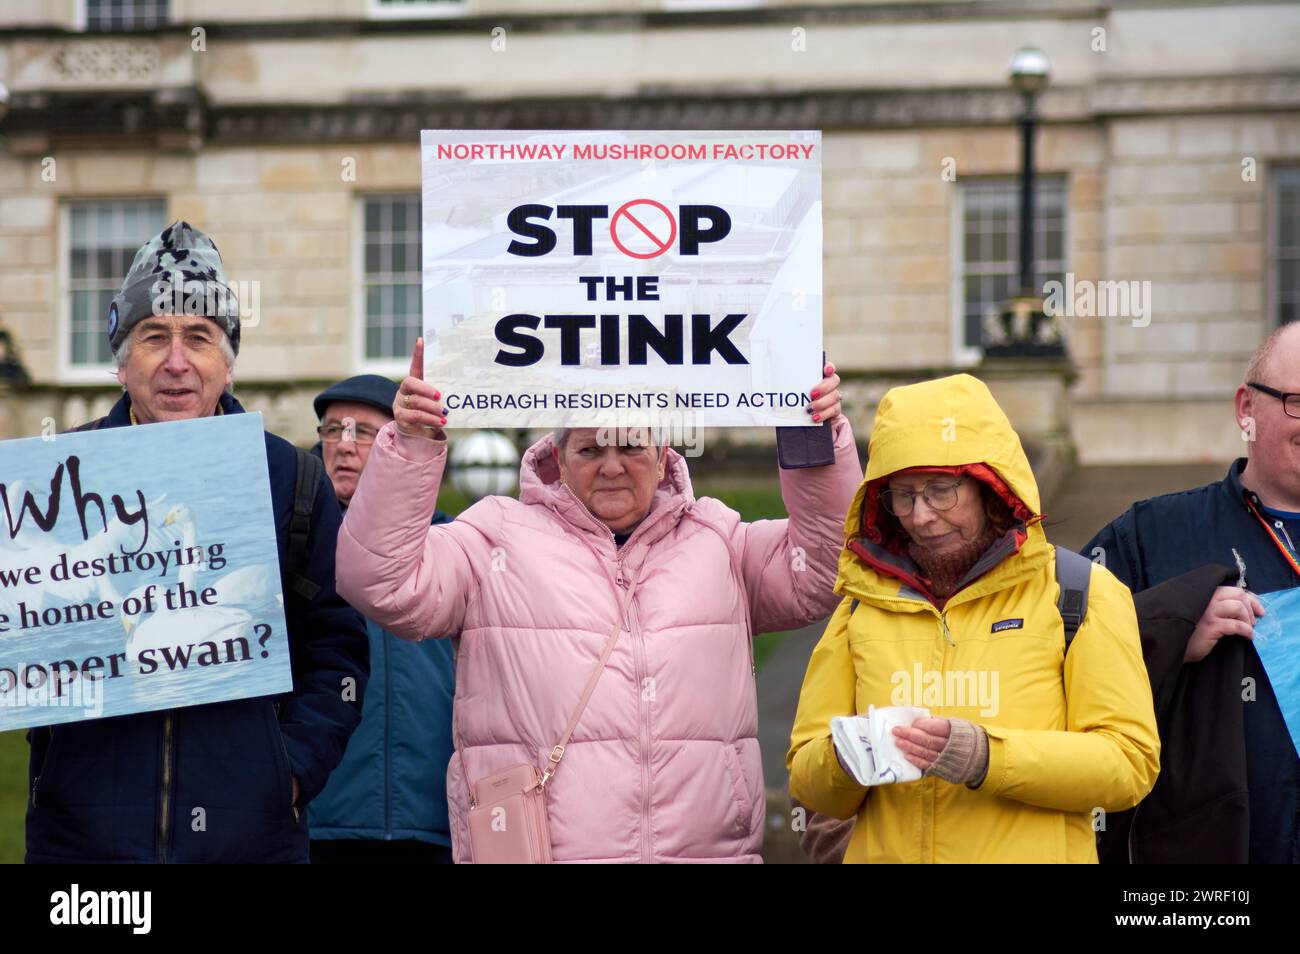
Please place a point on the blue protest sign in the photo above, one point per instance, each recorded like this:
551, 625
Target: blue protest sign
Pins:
138, 571
1277, 640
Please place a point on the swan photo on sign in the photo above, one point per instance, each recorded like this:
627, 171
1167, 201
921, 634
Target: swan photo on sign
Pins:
138, 571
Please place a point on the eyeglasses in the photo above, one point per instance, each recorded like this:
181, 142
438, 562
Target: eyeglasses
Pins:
1290, 399
938, 496
359, 434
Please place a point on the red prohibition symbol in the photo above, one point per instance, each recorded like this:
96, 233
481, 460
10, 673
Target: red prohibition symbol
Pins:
624, 213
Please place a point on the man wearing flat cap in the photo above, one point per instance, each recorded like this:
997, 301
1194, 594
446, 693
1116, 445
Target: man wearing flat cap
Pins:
126, 789
387, 800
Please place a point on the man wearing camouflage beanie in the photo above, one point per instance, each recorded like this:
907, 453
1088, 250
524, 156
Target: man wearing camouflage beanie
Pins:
178, 272
124, 789
176, 287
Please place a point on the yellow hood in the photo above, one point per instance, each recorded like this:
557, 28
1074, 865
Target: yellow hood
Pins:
948, 422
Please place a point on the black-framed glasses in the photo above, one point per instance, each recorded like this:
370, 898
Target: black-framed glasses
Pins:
938, 496
1290, 399
358, 433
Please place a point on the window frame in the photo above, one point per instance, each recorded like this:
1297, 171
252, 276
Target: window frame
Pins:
397, 367
81, 21
1277, 175
964, 355
428, 10
66, 371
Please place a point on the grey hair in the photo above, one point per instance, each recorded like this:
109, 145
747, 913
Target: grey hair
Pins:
560, 437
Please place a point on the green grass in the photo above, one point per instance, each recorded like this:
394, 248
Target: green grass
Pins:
754, 502
764, 645
13, 795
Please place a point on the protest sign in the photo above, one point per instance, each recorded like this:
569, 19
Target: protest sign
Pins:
138, 570
1277, 640
622, 278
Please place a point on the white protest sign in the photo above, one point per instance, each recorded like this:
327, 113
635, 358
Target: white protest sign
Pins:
622, 278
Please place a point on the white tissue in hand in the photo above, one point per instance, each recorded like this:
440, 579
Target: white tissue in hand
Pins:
866, 744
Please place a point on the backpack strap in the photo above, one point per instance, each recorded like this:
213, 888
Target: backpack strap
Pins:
1073, 575
310, 468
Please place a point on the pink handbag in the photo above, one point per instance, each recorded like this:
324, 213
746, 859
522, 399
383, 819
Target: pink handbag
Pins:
507, 811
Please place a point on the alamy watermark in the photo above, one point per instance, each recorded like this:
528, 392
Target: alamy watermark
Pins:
1075, 298
175, 294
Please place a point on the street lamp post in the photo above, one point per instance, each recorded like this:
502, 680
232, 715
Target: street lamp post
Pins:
1026, 331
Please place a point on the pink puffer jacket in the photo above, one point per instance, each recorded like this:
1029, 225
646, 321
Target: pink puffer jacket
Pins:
664, 764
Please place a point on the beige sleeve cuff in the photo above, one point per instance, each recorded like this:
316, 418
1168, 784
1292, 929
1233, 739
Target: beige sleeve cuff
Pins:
965, 759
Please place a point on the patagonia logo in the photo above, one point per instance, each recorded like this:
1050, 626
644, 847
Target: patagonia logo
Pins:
1004, 624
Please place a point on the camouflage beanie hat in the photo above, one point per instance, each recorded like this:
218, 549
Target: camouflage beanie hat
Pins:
178, 272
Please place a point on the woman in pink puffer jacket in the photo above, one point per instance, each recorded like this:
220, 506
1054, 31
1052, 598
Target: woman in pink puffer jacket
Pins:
664, 763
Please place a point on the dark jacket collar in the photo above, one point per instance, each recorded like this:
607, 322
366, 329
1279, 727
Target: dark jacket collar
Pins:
1232, 483
120, 415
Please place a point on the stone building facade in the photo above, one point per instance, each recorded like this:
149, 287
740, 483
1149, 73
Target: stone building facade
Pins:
1169, 154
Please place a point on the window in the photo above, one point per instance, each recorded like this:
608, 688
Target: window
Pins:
114, 16
392, 276
1286, 244
990, 249
416, 8
103, 240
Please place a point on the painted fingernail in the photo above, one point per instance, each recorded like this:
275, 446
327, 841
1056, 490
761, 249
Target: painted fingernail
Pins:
444, 420
817, 417
808, 409
816, 395
437, 396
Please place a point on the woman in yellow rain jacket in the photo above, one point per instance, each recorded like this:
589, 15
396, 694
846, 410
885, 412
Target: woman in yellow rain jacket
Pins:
950, 602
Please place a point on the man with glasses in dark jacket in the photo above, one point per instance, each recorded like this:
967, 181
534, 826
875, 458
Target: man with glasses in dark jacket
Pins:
1194, 560
387, 801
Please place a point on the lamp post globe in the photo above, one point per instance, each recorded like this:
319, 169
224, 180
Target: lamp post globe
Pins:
483, 464
1030, 70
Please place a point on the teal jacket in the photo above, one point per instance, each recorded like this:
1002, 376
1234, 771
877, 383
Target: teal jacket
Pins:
392, 782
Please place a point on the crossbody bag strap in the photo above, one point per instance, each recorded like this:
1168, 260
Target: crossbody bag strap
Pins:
557, 752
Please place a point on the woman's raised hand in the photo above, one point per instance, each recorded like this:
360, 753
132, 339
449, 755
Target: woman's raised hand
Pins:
826, 396
418, 406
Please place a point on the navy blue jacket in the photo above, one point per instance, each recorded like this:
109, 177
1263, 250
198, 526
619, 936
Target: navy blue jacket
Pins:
126, 789
392, 783
1163, 538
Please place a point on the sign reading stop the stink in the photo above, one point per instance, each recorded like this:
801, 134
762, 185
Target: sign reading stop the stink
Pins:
591, 279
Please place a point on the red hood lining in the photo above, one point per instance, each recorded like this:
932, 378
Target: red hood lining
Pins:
871, 509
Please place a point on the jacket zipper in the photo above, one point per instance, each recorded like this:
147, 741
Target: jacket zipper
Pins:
643, 720
947, 633
166, 788
288, 766
1286, 536
49, 747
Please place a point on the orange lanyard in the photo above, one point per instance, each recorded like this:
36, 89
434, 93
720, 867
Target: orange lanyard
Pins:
1286, 550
